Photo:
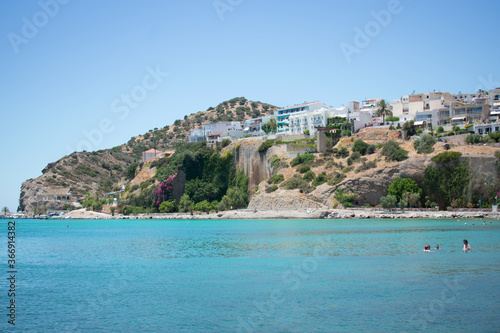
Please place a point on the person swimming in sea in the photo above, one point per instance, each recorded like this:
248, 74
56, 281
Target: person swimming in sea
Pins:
437, 246
467, 247
427, 248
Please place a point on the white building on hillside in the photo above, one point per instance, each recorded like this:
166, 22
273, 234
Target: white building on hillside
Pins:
230, 129
282, 115
411, 104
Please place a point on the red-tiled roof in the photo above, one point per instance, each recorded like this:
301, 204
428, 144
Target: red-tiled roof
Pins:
215, 134
152, 151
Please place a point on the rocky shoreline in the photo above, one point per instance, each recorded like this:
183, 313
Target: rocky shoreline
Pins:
246, 214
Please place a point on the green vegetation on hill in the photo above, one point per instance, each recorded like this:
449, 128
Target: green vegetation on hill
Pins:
446, 181
211, 181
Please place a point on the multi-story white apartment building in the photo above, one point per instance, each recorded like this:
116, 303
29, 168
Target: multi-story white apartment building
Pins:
282, 116
230, 129
309, 120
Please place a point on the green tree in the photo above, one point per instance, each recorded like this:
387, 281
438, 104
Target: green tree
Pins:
131, 170
456, 129
112, 209
234, 199
403, 185
388, 201
306, 132
270, 127
360, 146
447, 179
383, 109
167, 207
203, 206
402, 204
414, 199
185, 204
5, 210
409, 127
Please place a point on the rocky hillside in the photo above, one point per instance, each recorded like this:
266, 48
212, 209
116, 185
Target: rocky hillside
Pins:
365, 179
64, 182
69, 179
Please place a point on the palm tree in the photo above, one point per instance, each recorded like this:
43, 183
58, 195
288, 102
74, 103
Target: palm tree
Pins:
383, 109
273, 125
5, 210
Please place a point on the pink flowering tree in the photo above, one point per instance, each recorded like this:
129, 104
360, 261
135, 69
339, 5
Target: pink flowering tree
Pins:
164, 191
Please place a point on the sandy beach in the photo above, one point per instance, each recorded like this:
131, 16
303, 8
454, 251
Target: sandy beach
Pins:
298, 214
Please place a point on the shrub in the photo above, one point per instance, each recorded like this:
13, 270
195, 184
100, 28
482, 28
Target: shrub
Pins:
400, 155
355, 156
494, 136
388, 202
419, 131
320, 179
309, 175
276, 179
335, 178
366, 166
341, 153
472, 138
360, 147
446, 157
393, 152
303, 168
271, 188
348, 169
371, 149
296, 182
264, 146
301, 159
167, 207
346, 199
425, 144
440, 129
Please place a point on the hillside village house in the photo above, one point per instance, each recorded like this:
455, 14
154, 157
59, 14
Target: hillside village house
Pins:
149, 155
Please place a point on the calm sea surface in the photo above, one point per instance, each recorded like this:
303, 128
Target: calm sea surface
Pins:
253, 276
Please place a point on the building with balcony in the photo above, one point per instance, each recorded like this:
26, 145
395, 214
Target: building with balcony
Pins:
414, 103
282, 115
253, 127
231, 129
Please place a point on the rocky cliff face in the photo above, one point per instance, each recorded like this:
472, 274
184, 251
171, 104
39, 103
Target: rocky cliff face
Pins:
256, 165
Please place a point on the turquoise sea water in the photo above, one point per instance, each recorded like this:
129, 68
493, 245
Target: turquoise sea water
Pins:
253, 276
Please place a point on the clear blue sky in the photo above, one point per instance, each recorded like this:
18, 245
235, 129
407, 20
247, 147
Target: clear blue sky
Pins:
69, 74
